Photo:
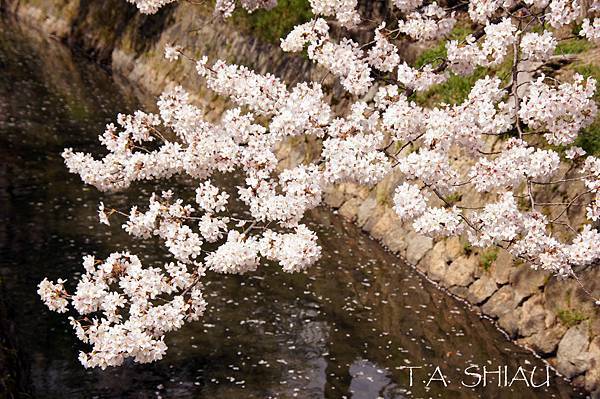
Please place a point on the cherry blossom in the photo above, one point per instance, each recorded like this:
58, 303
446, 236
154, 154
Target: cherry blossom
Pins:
499, 221
407, 5
150, 6
384, 55
53, 295
409, 202
563, 111
492, 51
102, 216
516, 163
172, 53
494, 142
563, 12
427, 24
482, 11
294, 251
538, 47
311, 32
575, 152
345, 60
239, 254
591, 30
439, 222
419, 79
343, 10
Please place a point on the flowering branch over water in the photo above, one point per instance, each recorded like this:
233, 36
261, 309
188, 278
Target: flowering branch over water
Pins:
500, 142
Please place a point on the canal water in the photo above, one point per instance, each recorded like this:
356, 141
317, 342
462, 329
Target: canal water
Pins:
349, 327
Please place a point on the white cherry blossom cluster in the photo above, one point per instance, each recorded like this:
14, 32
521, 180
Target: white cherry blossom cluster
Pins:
431, 167
498, 38
512, 166
463, 58
239, 254
497, 222
485, 112
563, 12
166, 220
294, 251
383, 55
561, 111
538, 47
54, 295
407, 6
345, 59
311, 33
529, 233
409, 201
344, 11
355, 158
591, 29
150, 6
419, 79
481, 11
404, 120
304, 111
592, 211
574, 152
225, 8
439, 222
285, 200
262, 94
491, 52
438, 150
543, 251
126, 309
430, 23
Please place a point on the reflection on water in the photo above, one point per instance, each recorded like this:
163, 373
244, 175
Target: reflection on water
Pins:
347, 328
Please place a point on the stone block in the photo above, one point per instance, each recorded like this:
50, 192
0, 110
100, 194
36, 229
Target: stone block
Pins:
481, 290
461, 271
572, 357
417, 247
502, 302
350, 208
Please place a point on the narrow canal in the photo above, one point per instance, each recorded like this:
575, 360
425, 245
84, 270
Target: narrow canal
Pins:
349, 327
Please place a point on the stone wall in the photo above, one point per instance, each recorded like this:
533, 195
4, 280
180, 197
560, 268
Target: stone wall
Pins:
554, 318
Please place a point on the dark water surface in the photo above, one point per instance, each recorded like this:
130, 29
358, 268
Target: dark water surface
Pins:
347, 328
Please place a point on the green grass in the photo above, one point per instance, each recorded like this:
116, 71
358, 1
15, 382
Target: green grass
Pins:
467, 248
589, 138
454, 198
453, 91
570, 318
459, 32
572, 46
575, 45
382, 196
487, 258
431, 55
271, 25
457, 88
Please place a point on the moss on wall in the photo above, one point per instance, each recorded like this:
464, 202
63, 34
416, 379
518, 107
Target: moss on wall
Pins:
271, 25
